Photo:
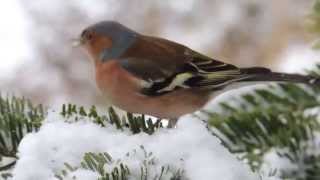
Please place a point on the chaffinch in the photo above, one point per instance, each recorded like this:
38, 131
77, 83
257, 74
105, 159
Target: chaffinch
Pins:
154, 76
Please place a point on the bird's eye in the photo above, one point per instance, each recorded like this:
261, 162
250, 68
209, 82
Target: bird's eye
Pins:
89, 36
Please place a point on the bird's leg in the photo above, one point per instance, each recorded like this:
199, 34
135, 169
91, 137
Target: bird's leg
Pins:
172, 122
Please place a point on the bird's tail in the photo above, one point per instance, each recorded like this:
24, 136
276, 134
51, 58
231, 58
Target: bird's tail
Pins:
256, 74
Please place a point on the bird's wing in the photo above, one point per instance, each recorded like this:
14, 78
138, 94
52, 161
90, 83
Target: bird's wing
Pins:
153, 59
169, 66
211, 73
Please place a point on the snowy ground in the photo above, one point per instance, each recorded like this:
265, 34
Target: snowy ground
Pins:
189, 147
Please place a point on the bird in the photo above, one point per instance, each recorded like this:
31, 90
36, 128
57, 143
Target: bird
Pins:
162, 78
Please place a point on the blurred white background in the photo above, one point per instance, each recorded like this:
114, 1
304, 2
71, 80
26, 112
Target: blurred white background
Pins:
38, 61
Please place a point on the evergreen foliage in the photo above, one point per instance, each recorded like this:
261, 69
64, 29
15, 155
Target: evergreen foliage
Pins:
17, 118
282, 118
136, 124
314, 22
277, 118
100, 162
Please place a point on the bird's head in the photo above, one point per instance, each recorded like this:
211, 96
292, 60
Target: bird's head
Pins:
107, 40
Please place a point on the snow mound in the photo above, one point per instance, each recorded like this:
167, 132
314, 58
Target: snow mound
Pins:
189, 147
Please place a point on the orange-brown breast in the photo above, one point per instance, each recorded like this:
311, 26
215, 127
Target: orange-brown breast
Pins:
114, 81
123, 90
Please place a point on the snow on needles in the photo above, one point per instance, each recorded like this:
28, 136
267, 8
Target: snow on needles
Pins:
189, 147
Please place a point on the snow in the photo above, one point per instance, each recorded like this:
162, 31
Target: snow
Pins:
282, 166
273, 162
81, 174
189, 147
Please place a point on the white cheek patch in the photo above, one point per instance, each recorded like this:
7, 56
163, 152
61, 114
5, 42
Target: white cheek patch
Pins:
178, 81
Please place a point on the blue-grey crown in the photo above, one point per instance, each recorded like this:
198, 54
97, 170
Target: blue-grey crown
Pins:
121, 36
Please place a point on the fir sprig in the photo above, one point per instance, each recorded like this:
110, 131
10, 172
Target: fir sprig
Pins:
17, 118
108, 168
273, 118
135, 123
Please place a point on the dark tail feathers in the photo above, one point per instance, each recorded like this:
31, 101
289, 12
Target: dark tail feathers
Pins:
264, 74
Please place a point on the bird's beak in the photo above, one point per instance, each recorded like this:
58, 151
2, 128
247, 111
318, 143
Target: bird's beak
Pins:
76, 42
